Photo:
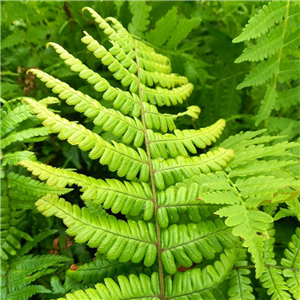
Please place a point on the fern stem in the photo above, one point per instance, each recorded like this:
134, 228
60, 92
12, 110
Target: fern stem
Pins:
147, 142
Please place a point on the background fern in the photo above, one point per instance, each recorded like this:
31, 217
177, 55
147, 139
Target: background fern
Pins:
19, 193
277, 48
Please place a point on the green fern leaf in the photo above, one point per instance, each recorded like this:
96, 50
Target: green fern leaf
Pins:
266, 47
278, 46
188, 285
175, 201
31, 186
257, 167
163, 28
181, 31
187, 244
292, 265
129, 288
108, 119
292, 42
15, 157
287, 98
120, 240
15, 117
127, 198
289, 70
11, 40
251, 226
272, 277
240, 287
176, 144
23, 136
140, 11
169, 171
260, 74
131, 163
97, 270
28, 291
254, 152
260, 23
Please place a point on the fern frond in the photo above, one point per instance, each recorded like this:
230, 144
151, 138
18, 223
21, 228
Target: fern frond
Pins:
99, 269
28, 291
31, 186
13, 118
36, 262
139, 22
120, 240
289, 70
258, 167
126, 77
242, 214
108, 119
292, 264
292, 42
267, 104
176, 144
251, 225
254, 152
10, 233
169, 171
260, 23
287, 98
171, 97
128, 164
114, 32
163, 28
177, 200
133, 287
240, 287
23, 135
125, 197
188, 285
278, 46
183, 28
265, 47
272, 277
158, 121
186, 244
25, 270
261, 73
122, 100
161, 96
15, 157
249, 147
172, 201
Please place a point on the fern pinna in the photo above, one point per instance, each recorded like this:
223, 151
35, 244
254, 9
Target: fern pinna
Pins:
174, 242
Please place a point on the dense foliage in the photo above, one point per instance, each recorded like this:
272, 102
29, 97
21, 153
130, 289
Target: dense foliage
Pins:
164, 214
